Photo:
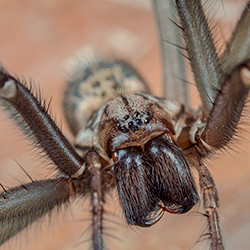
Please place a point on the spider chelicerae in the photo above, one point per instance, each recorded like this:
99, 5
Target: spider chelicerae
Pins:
166, 205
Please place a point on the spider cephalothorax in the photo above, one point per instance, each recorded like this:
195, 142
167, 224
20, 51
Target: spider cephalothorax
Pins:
149, 166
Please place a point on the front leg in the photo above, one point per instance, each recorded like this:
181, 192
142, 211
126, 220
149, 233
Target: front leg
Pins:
227, 109
23, 205
223, 84
216, 134
31, 115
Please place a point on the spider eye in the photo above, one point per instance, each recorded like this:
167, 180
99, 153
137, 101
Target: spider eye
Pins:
115, 156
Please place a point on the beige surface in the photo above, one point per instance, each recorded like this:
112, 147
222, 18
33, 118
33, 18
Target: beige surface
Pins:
36, 38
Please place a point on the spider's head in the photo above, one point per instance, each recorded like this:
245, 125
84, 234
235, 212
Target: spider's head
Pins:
132, 120
150, 169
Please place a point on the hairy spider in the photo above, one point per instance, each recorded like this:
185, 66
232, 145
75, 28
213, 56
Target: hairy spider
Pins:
160, 197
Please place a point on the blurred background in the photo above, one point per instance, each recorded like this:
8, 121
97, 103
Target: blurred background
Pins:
37, 39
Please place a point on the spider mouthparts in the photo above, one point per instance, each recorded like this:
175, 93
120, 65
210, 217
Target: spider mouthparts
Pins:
7, 87
153, 218
170, 210
245, 74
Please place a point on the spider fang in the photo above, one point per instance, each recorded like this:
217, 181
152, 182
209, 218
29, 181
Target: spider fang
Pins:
245, 74
8, 90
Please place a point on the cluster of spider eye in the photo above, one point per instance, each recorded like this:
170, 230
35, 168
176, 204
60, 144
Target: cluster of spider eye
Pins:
133, 123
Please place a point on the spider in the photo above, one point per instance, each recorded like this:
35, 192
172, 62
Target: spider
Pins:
167, 205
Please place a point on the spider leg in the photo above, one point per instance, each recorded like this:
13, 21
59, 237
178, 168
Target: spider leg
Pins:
233, 91
21, 206
223, 84
32, 117
210, 201
210, 198
223, 90
227, 109
173, 61
93, 163
201, 50
238, 47
216, 134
